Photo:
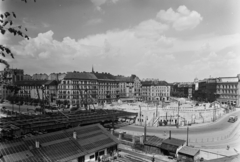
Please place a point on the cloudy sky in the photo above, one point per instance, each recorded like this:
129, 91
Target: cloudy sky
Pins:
173, 40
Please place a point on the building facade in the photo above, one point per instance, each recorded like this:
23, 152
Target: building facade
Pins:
78, 88
228, 90
107, 87
9, 77
38, 89
56, 76
183, 89
27, 77
137, 87
155, 90
40, 77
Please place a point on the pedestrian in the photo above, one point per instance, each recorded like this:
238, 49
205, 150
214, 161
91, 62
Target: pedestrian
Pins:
153, 158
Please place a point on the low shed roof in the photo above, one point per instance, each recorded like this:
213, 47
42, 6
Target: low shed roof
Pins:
189, 151
58, 146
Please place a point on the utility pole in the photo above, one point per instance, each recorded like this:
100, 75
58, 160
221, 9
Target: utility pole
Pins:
187, 135
140, 115
145, 129
178, 113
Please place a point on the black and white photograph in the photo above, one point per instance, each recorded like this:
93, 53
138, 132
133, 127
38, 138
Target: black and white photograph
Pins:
119, 80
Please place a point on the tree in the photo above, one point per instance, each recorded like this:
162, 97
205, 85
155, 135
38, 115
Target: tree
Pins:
7, 25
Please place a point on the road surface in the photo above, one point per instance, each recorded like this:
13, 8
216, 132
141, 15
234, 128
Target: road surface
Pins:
219, 132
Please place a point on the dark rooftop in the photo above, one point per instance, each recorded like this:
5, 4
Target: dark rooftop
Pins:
153, 141
174, 141
80, 75
104, 76
58, 146
154, 83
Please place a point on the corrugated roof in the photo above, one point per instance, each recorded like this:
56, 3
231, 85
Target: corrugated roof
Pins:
189, 151
78, 75
59, 146
174, 141
153, 141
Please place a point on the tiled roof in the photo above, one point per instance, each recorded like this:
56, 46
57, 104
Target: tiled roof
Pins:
104, 76
78, 75
154, 83
189, 151
174, 141
58, 146
153, 141
124, 79
31, 82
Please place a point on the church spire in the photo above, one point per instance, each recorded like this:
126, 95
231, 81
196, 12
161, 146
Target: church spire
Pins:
93, 69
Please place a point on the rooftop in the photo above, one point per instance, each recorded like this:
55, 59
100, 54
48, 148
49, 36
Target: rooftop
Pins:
58, 146
153, 141
189, 151
174, 141
80, 75
154, 83
104, 76
35, 82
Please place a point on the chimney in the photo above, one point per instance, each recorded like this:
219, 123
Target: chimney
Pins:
37, 144
169, 134
74, 135
112, 131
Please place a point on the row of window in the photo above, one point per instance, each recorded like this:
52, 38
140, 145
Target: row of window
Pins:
227, 91
228, 96
227, 86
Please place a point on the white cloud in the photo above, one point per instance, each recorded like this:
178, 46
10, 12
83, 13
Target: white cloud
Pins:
150, 29
94, 21
98, 3
164, 42
140, 49
182, 19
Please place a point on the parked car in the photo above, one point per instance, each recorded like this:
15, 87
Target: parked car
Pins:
232, 119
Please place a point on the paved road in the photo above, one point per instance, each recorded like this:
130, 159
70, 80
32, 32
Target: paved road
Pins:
218, 133
218, 126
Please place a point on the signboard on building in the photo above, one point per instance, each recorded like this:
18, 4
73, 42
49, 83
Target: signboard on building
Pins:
34, 93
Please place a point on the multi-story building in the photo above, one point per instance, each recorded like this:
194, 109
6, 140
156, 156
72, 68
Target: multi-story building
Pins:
107, 87
40, 77
9, 77
38, 89
137, 87
56, 76
211, 88
155, 90
79, 88
27, 77
228, 90
125, 86
183, 89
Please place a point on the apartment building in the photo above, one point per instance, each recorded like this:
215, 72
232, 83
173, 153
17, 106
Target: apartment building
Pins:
79, 88
228, 90
107, 87
153, 90
38, 89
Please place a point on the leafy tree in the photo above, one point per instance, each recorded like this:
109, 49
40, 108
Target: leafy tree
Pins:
7, 25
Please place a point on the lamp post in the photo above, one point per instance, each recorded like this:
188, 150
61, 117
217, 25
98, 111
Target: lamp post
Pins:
178, 113
187, 135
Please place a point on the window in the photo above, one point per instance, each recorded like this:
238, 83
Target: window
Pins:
91, 157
